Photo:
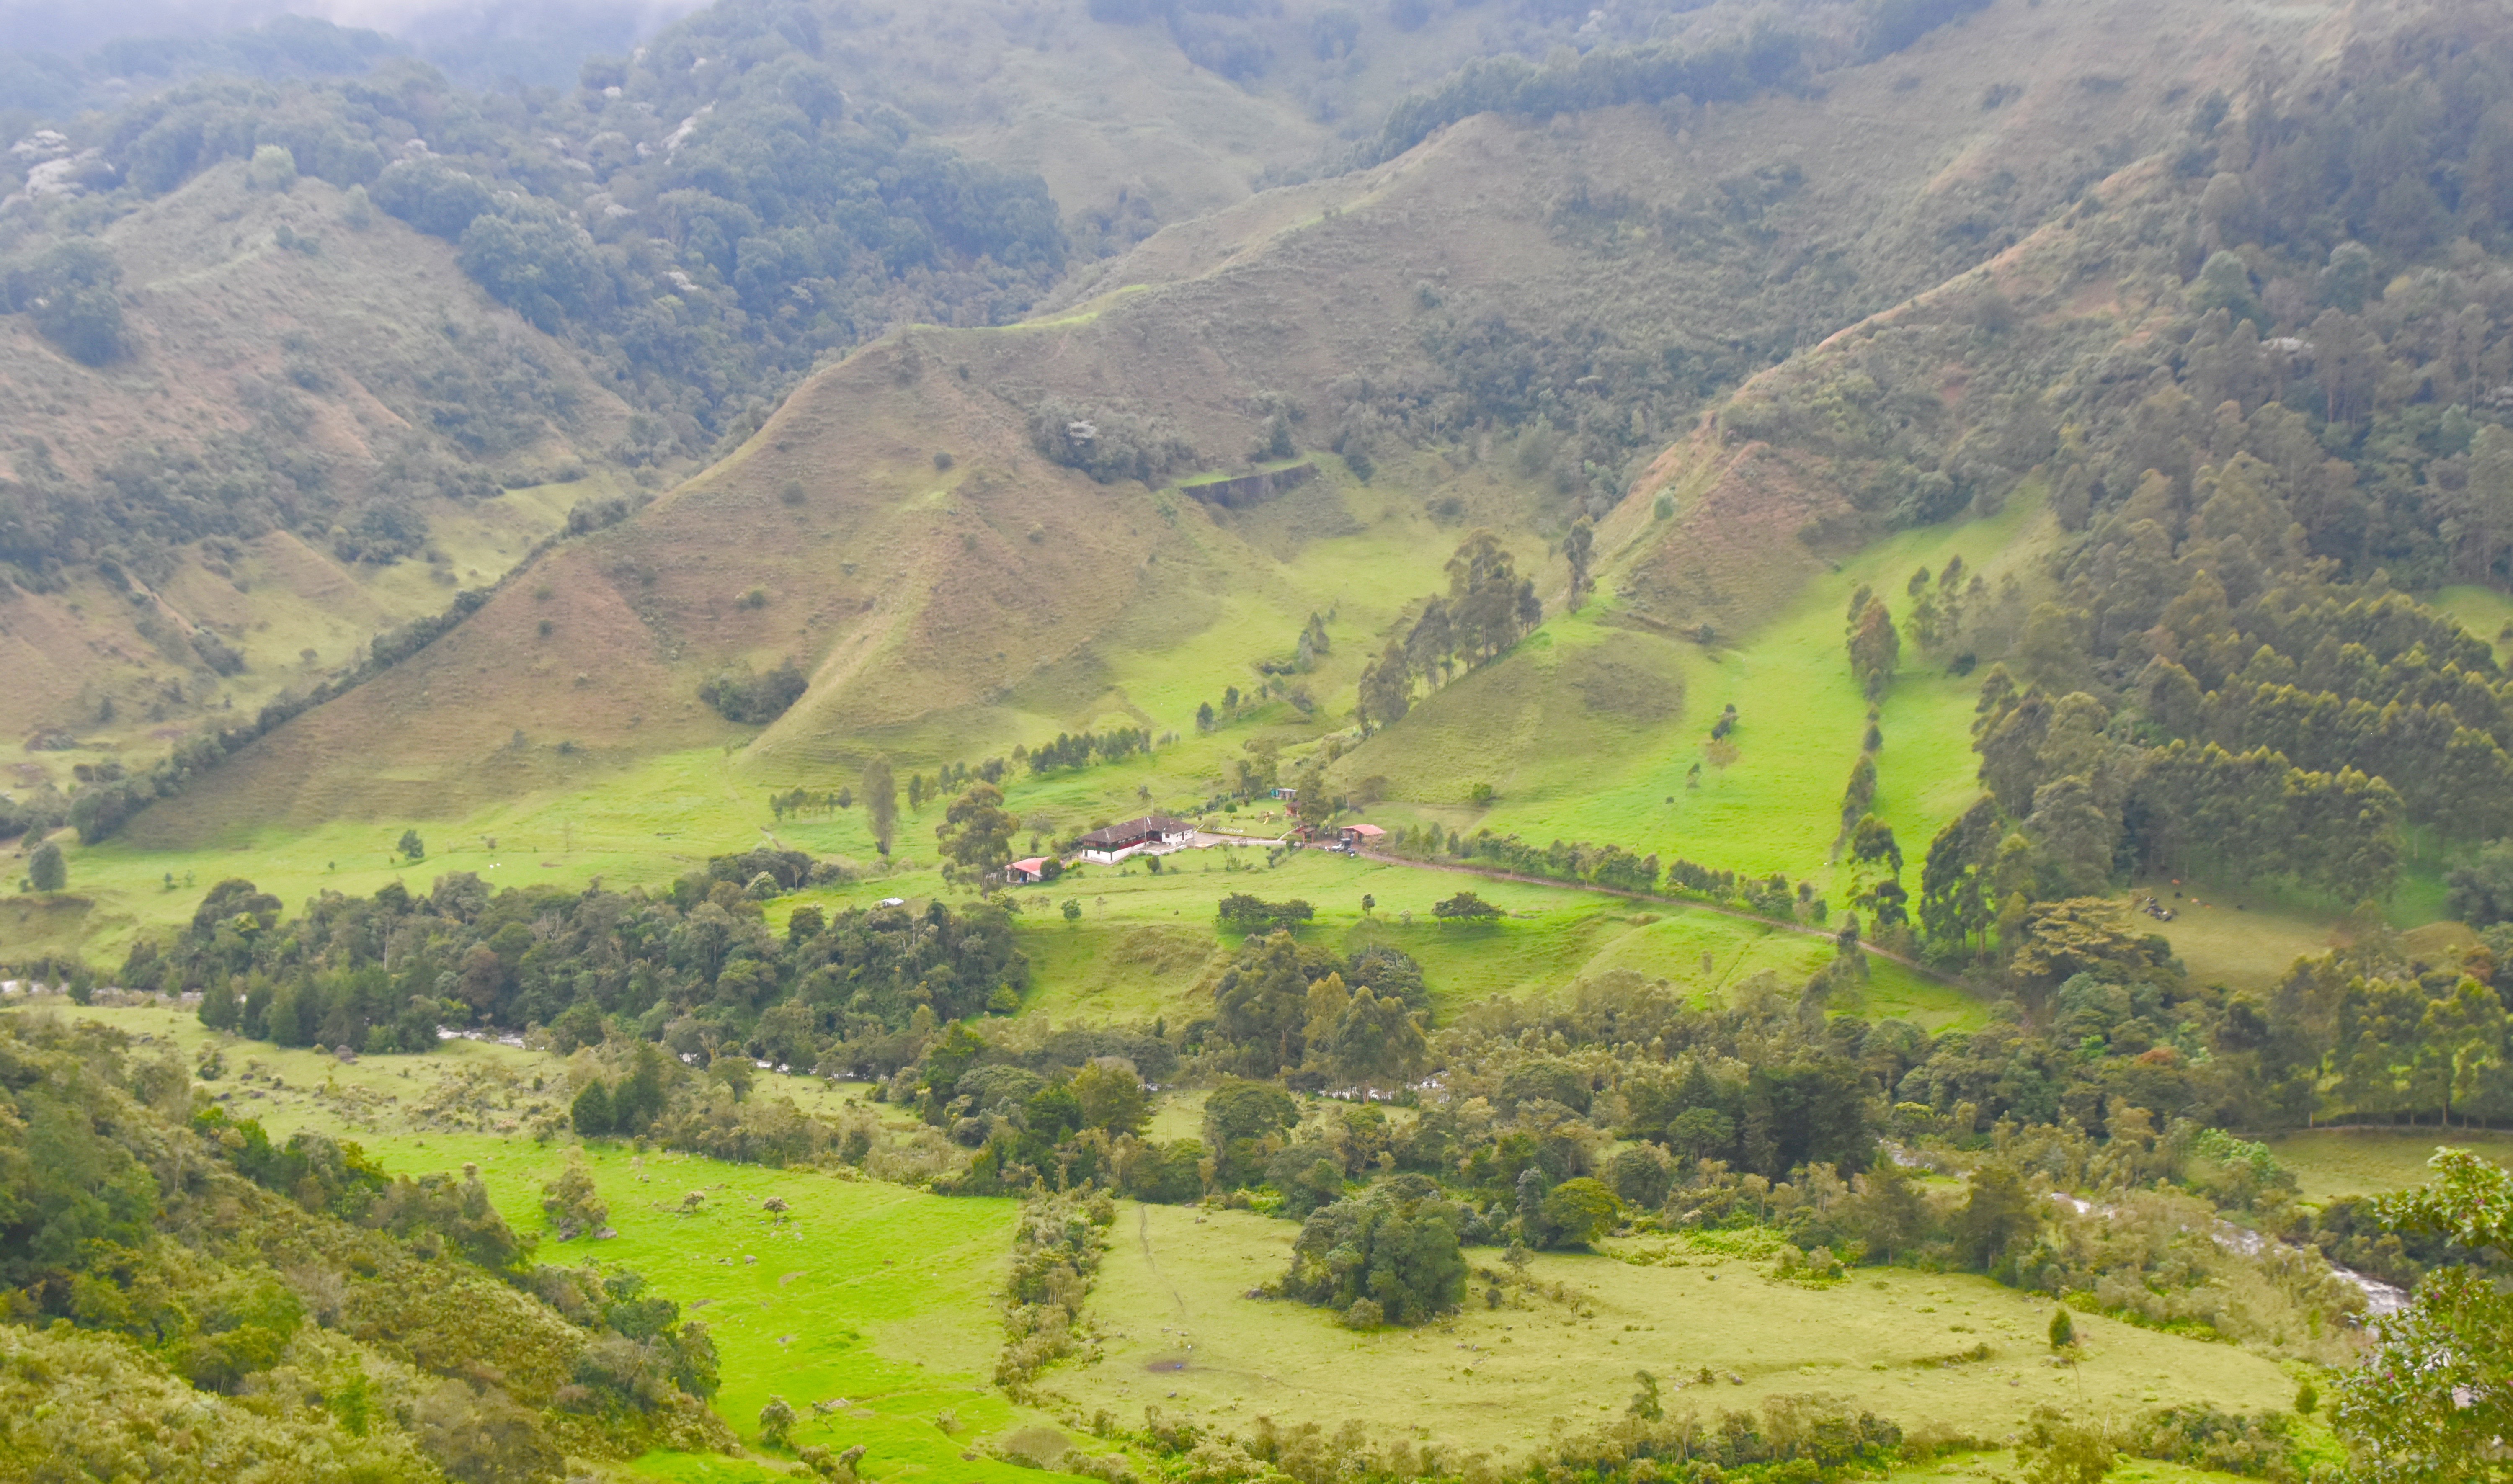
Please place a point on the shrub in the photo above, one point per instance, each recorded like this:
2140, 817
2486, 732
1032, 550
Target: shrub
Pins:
738, 695
1393, 1247
69, 293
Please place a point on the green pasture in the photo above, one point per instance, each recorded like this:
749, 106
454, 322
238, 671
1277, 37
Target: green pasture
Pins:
871, 1296
1183, 1334
1139, 947
1572, 757
860, 1290
1144, 940
2332, 1162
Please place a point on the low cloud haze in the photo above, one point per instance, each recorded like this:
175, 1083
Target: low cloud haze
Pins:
540, 43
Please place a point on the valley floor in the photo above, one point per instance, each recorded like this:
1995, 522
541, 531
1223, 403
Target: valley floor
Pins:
880, 1301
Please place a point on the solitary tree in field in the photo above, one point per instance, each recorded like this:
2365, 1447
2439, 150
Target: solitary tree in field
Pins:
1579, 548
1875, 648
411, 848
777, 1422
1645, 1402
976, 837
1112, 1098
2064, 1329
881, 802
591, 1111
46, 868
1580, 1210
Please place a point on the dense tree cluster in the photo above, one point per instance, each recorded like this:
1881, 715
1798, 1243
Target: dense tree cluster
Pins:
1489, 608
1387, 1256
1283, 1009
1108, 444
695, 966
1071, 750
1769, 58
69, 293
754, 697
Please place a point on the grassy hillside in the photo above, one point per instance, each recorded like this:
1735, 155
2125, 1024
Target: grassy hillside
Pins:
357, 371
946, 614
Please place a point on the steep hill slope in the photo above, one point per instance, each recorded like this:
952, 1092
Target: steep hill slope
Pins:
2221, 410
1494, 323
304, 445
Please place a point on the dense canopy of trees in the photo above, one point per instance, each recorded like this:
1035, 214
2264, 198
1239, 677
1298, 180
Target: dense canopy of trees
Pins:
1488, 607
695, 966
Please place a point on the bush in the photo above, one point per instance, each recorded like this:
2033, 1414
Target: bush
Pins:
1393, 1247
46, 869
69, 294
738, 695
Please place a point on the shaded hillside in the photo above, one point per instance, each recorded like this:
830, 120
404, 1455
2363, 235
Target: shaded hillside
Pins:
305, 440
1492, 326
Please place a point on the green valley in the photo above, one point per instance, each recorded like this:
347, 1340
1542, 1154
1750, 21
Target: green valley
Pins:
1262, 742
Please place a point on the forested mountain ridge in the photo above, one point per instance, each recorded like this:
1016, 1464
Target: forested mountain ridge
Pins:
2251, 408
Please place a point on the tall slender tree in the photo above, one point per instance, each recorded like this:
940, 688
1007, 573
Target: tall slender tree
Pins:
881, 802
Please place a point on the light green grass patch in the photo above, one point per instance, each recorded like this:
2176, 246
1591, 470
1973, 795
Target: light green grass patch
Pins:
871, 1293
2332, 1162
2241, 938
1573, 759
874, 1293
1173, 1298
2485, 612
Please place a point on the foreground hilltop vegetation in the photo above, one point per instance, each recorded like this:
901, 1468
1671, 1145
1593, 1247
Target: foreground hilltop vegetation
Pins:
223, 1307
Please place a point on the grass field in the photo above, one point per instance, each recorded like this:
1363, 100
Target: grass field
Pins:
1591, 730
861, 1290
884, 1297
2332, 1162
1184, 1335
